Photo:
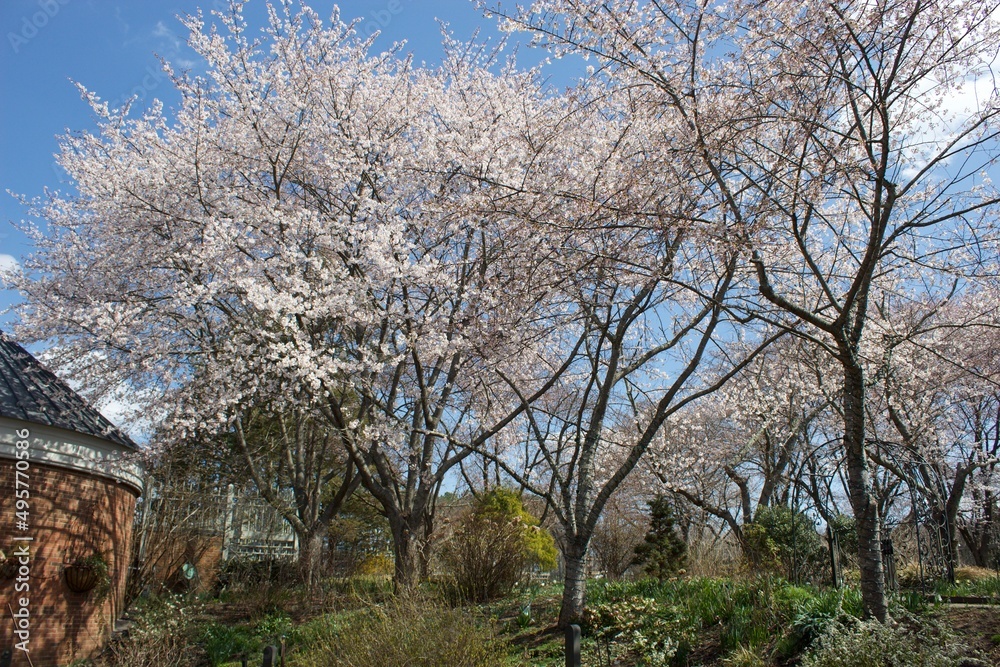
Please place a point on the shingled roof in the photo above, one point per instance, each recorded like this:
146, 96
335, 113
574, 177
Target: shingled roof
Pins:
32, 393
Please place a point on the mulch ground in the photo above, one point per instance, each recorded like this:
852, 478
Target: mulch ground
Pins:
978, 626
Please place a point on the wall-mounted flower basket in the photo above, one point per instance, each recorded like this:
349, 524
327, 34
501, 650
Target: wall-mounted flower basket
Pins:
87, 574
81, 577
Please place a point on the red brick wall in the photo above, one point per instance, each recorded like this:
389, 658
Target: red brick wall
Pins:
73, 515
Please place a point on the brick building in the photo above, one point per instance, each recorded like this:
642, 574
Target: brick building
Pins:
68, 487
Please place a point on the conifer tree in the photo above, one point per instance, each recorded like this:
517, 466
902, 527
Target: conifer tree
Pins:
662, 552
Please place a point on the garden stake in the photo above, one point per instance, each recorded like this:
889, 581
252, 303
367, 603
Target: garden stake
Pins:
573, 646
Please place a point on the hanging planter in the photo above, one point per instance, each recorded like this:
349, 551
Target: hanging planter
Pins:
81, 578
86, 574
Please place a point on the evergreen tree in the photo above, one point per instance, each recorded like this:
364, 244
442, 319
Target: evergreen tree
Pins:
662, 553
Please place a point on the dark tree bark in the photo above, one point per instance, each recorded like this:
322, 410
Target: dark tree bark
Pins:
408, 548
860, 491
574, 581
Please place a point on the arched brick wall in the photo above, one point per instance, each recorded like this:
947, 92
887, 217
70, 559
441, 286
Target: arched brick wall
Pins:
73, 514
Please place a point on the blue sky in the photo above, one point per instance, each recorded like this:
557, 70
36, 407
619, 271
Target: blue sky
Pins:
112, 48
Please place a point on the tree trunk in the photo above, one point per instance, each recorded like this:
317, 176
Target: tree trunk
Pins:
425, 544
575, 582
310, 555
406, 546
866, 513
978, 536
951, 517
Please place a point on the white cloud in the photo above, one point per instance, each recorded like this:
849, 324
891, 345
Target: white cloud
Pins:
8, 263
125, 409
120, 20
121, 413
169, 36
933, 127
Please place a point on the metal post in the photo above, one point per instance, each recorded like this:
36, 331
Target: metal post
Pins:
834, 544
795, 536
916, 533
889, 560
227, 523
573, 646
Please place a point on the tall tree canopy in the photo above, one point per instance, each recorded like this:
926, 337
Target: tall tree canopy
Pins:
845, 144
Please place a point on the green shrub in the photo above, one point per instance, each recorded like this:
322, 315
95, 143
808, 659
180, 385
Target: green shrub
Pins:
223, 643
759, 549
783, 540
502, 504
749, 614
404, 633
846, 530
811, 618
873, 644
494, 544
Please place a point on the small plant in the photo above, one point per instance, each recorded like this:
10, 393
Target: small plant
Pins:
161, 635
634, 628
874, 644
524, 616
745, 657
223, 643
813, 617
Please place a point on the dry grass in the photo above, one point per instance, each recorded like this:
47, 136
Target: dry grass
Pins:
718, 559
406, 632
973, 573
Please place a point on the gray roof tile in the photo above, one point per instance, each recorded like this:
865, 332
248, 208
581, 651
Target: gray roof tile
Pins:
32, 393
